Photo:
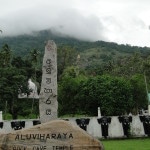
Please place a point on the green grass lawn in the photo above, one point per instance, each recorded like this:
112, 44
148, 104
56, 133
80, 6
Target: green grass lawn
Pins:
127, 144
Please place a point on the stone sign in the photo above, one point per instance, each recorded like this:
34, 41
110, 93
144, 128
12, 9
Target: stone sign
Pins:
48, 104
53, 135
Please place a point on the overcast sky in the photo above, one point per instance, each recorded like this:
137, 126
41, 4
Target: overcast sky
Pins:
121, 21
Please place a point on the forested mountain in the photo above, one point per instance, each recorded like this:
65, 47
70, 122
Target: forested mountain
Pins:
90, 74
22, 44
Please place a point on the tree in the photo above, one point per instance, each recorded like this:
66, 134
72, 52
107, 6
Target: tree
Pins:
112, 94
34, 57
66, 57
5, 55
18, 62
139, 92
67, 91
126, 66
12, 81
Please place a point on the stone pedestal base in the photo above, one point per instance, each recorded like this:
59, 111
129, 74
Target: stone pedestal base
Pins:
53, 135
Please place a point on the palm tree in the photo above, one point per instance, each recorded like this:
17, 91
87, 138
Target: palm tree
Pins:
34, 59
5, 56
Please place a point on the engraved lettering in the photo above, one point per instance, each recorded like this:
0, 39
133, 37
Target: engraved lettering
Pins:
53, 136
35, 136
70, 136
43, 136
48, 70
17, 137
65, 135
39, 147
28, 136
47, 136
48, 80
19, 147
48, 61
63, 147
59, 136
22, 137
47, 90
48, 112
48, 101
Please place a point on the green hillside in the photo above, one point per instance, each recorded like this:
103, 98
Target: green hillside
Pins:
90, 52
90, 74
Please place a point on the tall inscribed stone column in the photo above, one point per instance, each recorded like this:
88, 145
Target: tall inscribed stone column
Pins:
48, 104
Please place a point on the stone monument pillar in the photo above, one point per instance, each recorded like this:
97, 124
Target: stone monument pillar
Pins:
48, 104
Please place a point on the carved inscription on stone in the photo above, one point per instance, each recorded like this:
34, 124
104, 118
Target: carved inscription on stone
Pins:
53, 135
48, 104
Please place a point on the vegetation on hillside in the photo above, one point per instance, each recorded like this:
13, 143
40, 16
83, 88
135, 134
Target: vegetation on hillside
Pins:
90, 75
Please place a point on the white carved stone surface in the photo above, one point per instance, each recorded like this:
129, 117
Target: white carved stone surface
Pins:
33, 87
33, 94
48, 104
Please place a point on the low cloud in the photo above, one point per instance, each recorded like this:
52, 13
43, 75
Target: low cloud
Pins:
68, 21
110, 20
